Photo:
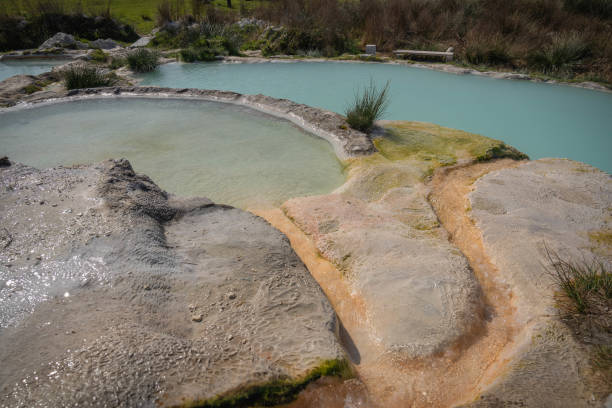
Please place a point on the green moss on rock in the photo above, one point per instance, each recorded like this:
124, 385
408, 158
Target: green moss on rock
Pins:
275, 392
502, 151
30, 89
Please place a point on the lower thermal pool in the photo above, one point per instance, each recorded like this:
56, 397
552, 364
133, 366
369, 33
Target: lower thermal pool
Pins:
230, 154
27, 67
541, 120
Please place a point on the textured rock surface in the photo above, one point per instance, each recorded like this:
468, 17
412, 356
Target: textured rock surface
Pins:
379, 229
115, 294
418, 290
26, 88
562, 205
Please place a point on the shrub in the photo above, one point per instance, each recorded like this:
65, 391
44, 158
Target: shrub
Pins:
368, 107
98, 55
193, 54
329, 43
487, 53
82, 76
117, 63
143, 60
596, 8
561, 55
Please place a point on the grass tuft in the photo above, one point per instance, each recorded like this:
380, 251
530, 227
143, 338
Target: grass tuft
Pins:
368, 107
98, 55
586, 286
143, 60
82, 76
117, 63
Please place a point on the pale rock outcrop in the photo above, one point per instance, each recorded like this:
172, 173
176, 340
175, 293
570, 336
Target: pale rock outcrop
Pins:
142, 41
114, 293
418, 290
62, 40
562, 206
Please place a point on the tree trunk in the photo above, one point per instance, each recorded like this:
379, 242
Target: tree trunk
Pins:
229, 3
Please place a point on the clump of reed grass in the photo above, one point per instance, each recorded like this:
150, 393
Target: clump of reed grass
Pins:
98, 55
561, 55
117, 62
584, 299
143, 60
79, 76
367, 107
585, 296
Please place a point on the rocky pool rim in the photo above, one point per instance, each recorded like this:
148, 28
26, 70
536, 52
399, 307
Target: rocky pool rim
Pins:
346, 142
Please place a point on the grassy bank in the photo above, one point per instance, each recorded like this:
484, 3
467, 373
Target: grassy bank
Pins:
570, 40
141, 14
561, 38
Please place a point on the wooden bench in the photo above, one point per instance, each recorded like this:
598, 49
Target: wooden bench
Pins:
446, 55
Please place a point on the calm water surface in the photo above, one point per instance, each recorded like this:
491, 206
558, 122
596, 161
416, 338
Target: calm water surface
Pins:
27, 67
230, 154
541, 120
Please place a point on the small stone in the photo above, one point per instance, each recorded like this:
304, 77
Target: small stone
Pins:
197, 318
231, 295
4, 161
230, 337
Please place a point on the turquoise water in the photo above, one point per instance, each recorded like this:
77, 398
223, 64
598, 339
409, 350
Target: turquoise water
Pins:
541, 120
27, 67
230, 154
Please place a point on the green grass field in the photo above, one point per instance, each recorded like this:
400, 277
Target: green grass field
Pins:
139, 13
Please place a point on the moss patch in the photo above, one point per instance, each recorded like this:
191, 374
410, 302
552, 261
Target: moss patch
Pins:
435, 143
602, 237
426, 146
276, 392
30, 89
502, 151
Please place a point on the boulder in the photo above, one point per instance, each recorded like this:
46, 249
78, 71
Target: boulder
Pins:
171, 26
142, 42
144, 299
107, 44
59, 40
